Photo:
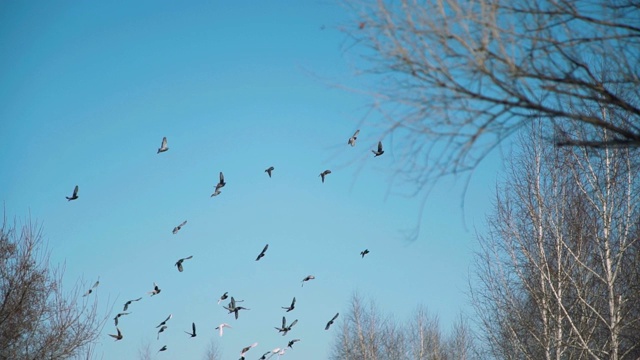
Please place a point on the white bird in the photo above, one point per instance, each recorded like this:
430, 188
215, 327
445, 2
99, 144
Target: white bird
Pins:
352, 140
221, 327
163, 147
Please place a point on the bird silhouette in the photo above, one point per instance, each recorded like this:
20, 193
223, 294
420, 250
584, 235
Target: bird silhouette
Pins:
269, 170
126, 305
179, 262
75, 194
292, 306
156, 290
91, 289
177, 228
292, 342
221, 327
380, 151
352, 140
115, 319
264, 356
163, 328
232, 308
245, 349
165, 321
118, 336
223, 297
285, 329
364, 252
331, 321
261, 255
164, 348
221, 183
193, 327
163, 147
324, 173
309, 277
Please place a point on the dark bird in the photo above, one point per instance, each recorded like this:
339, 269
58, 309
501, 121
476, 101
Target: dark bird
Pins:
269, 170
179, 262
91, 290
245, 349
364, 252
177, 228
331, 321
156, 290
264, 356
216, 192
163, 147
292, 342
75, 194
223, 297
221, 183
285, 329
117, 337
193, 327
380, 151
126, 305
164, 348
352, 140
163, 328
292, 306
115, 319
324, 173
165, 321
232, 308
262, 252
309, 277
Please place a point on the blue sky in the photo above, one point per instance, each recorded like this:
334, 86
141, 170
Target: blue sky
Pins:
90, 88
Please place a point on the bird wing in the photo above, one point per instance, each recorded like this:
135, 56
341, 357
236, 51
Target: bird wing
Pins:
265, 249
284, 322
379, 146
179, 265
221, 177
335, 317
355, 134
164, 142
293, 323
75, 191
183, 223
293, 302
193, 326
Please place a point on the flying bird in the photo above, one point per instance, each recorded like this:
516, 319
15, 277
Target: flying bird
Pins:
264, 356
285, 329
223, 297
156, 290
380, 151
193, 327
309, 277
364, 252
163, 147
126, 305
232, 308
75, 194
91, 290
163, 328
292, 306
177, 228
262, 252
117, 337
324, 173
331, 321
245, 349
164, 348
269, 170
221, 327
221, 183
352, 140
292, 342
179, 262
216, 192
165, 321
115, 319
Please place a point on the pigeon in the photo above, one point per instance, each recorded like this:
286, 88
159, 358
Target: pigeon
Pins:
156, 290
179, 263
331, 321
75, 194
177, 228
264, 356
91, 290
164, 348
223, 297
165, 321
216, 192
126, 305
324, 173
232, 308
245, 349
115, 319
220, 183
193, 327
262, 252
292, 306
309, 277
285, 329
221, 327
380, 151
269, 170
163, 328
364, 252
352, 140
117, 337
292, 342
163, 147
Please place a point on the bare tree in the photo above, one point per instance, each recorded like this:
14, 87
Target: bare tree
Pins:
38, 320
558, 268
458, 77
213, 352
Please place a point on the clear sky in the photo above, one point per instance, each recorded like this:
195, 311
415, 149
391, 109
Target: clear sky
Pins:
88, 91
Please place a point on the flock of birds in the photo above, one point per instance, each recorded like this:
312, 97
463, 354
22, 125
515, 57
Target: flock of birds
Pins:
232, 307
